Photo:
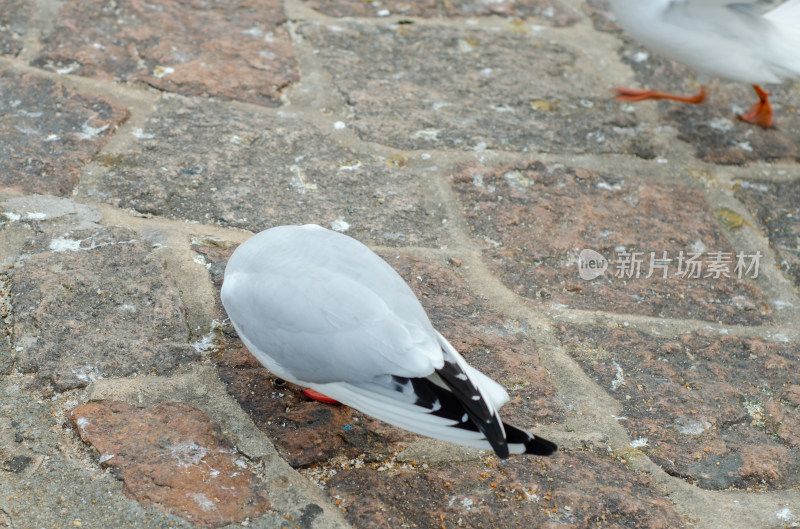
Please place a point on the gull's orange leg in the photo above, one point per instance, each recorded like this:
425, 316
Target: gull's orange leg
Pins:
632, 95
316, 395
760, 113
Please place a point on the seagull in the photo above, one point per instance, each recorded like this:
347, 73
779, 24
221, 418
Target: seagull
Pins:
321, 310
737, 40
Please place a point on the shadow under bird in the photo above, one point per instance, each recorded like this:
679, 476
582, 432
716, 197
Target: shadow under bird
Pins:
321, 310
750, 41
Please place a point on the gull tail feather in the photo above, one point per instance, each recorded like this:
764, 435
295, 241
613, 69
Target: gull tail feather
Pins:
456, 403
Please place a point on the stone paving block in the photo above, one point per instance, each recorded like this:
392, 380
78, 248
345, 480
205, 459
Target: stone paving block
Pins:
173, 457
458, 89
533, 221
550, 11
579, 489
14, 19
718, 411
93, 304
308, 432
210, 163
232, 50
777, 206
48, 132
45, 478
712, 127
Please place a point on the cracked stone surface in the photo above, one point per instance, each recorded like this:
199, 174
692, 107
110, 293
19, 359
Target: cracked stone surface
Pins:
719, 411
477, 104
47, 133
230, 168
93, 304
237, 50
173, 457
533, 221
775, 205
552, 12
517, 493
14, 19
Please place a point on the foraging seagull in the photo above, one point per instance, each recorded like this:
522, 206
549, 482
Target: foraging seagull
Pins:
321, 310
738, 40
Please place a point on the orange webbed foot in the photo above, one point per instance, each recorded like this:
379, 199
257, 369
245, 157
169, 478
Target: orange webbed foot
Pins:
316, 395
633, 95
760, 113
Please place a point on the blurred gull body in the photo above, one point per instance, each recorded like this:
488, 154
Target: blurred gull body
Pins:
750, 41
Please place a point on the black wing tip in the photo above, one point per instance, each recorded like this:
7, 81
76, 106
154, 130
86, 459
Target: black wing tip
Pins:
533, 445
540, 447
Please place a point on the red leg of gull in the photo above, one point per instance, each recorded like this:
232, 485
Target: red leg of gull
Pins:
316, 395
629, 94
760, 113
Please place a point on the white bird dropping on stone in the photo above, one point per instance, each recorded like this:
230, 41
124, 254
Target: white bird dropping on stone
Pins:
321, 310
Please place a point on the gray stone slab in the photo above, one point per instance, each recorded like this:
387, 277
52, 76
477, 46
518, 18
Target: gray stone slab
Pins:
205, 162
45, 480
32, 209
776, 206
14, 18
48, 132
233, 50
92, 304
719, 412
422, 87
534, 221
550, 11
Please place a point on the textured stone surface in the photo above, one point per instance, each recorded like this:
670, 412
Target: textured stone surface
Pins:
549, 10
47, 133
777, 206
6, 325
94, 304
173, 457
717, 411
572, 490
207, 163
533, 221
712, 128
14, 17
233, 50
465, 93
309, 432
45, 480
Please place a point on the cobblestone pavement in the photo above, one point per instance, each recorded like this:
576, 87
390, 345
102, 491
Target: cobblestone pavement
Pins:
475, 146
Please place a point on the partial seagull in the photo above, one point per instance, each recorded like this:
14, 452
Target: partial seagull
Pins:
737, 40
321, 310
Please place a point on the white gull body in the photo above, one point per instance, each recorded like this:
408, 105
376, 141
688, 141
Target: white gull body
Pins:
321, 310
